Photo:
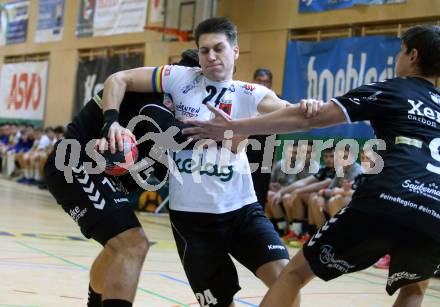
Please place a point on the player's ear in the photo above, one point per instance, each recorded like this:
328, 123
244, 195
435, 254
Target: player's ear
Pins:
414, 56
236, 52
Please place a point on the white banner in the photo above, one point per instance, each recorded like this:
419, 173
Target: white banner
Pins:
23, 91
157, 11
119, 16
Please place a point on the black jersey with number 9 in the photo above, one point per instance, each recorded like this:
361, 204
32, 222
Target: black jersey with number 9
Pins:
405, 113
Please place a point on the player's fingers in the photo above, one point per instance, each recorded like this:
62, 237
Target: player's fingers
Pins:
102, 143
193, 122
303, 105
191, 131
119, 141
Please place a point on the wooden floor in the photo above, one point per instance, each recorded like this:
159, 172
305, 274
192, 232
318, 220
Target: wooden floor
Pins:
44, 262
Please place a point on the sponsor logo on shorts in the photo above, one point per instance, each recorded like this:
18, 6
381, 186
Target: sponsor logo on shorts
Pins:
430, 190
76, 213
437, 270
401, 275
121, 200
272, 247
327, 257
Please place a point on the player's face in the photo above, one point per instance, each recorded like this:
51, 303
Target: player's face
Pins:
217, 56
329, 158
263, 80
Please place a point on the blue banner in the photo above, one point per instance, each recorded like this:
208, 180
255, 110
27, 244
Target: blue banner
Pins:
306, 6
50, 21
17, 21
323, 70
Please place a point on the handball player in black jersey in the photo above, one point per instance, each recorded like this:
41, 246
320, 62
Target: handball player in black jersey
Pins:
397, 205
98, 202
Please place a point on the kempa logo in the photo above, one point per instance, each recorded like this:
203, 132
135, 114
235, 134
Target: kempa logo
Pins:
272, 247
419, 109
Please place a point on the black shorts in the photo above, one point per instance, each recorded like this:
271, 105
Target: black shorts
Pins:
354, 240
96, 202
205, 241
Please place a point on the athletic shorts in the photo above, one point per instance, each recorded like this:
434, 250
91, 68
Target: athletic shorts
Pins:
205, 242
354, 240
96, 202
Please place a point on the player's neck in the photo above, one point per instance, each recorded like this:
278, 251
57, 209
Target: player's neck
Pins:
421, 76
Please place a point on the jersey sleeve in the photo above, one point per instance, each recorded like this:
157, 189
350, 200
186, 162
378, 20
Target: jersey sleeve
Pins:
260, 93
167, 78
253, 94
367, 101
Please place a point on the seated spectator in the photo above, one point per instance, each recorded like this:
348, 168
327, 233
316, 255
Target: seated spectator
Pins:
295, 198
279, 179
304, 166
22, 142
318, 202
342, 196
54, 135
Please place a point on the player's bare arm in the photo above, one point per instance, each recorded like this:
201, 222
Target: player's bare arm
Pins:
299, 117
115, 86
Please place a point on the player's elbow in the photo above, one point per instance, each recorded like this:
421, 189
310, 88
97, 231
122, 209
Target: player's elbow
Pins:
118, 78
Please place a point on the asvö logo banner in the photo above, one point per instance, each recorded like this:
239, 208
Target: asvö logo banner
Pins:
328, 69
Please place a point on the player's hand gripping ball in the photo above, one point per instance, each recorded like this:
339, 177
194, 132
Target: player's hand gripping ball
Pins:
117, 164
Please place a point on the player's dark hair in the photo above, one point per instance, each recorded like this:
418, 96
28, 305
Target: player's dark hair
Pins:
426, 40
189, 58
263, 72
217, 25
329, 149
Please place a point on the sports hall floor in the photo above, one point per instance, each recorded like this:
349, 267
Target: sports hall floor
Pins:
44, 262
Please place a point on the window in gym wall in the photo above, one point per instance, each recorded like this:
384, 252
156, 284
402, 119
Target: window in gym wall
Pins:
95, 65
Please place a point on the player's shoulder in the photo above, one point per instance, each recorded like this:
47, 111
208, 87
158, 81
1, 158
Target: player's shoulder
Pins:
169, 70
247, 88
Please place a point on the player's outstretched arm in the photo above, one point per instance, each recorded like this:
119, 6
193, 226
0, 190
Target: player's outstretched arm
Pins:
299, 117
115, 86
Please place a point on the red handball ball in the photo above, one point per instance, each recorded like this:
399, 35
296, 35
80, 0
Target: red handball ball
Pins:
117, 164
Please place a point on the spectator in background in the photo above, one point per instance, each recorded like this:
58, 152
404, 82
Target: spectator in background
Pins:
26, 159
279, 179
296, 198
260, 177
21, 141
342, 196
318, 209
